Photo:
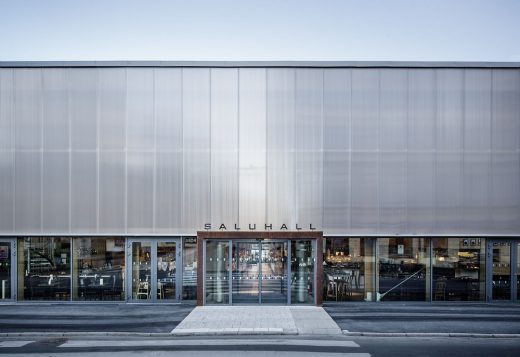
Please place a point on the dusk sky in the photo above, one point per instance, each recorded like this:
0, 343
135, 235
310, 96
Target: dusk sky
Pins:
414, 30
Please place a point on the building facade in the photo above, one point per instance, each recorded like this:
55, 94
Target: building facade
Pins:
268, 182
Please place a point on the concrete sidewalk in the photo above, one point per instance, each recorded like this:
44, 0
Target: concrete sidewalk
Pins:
104, 318
257, 320
418, 318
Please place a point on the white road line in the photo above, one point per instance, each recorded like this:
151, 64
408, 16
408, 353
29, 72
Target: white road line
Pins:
11, 344
221, 342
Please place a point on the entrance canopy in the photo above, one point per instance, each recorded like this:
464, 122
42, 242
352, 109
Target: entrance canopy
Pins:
259, 267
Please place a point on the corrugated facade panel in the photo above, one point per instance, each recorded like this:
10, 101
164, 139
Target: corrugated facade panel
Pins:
252, 141
308, 147
112, 191
281, 180
140, 128
139, 192
365, 109
505, 190
450, 110
112, 108
364, 192
6, 109
168, 109
420, 195
55, 109
55, 192
393, 110
83, 98
196, 144
84, 192
421, 110
449, 142
168, 192
448, 192
28, 192
6, 191
505, 126
392, 191
476, 191
477, 110
224, 146
28, 109
165, 150
336, 149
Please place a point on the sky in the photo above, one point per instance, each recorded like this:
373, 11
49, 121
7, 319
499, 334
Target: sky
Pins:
242, 30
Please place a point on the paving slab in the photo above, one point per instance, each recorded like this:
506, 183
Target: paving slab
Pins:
257, 320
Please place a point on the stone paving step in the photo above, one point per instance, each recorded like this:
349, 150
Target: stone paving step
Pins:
257, 320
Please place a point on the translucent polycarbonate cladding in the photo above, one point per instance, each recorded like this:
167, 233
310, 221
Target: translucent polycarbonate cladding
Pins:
376, 151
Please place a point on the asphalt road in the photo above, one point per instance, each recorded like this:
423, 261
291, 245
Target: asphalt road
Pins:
290, 346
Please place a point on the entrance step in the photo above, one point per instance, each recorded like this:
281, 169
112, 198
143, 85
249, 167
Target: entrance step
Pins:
257, 320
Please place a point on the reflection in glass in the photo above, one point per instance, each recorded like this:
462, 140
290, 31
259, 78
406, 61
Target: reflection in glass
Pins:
518, 271
403, 268
189, 277
217, 272
166, 270
302, 272
348, 269
274, 272
44, 268
98, 269
458, 269
501, 271
246, 265
5, 270
141, 270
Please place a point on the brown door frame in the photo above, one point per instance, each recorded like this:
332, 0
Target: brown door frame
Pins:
264, 235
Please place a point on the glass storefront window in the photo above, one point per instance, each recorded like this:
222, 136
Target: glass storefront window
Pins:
98, 269
518, 271
501, 288
458, 269
348, 269
189, 274
5, 270
403, 265
217, 272
302, 272
44, 268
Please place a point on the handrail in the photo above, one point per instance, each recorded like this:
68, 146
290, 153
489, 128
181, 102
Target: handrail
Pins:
380, 296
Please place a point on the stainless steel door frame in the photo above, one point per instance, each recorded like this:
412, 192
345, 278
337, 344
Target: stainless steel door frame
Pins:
153, 269
12, 255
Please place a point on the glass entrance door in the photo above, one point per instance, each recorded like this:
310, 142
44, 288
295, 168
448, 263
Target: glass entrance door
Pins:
503, 272
274, 272
7, 274
152, 269
246, 272
259, 272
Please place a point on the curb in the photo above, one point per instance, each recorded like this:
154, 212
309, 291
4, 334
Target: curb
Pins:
232, 331
432, 334
90, 334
